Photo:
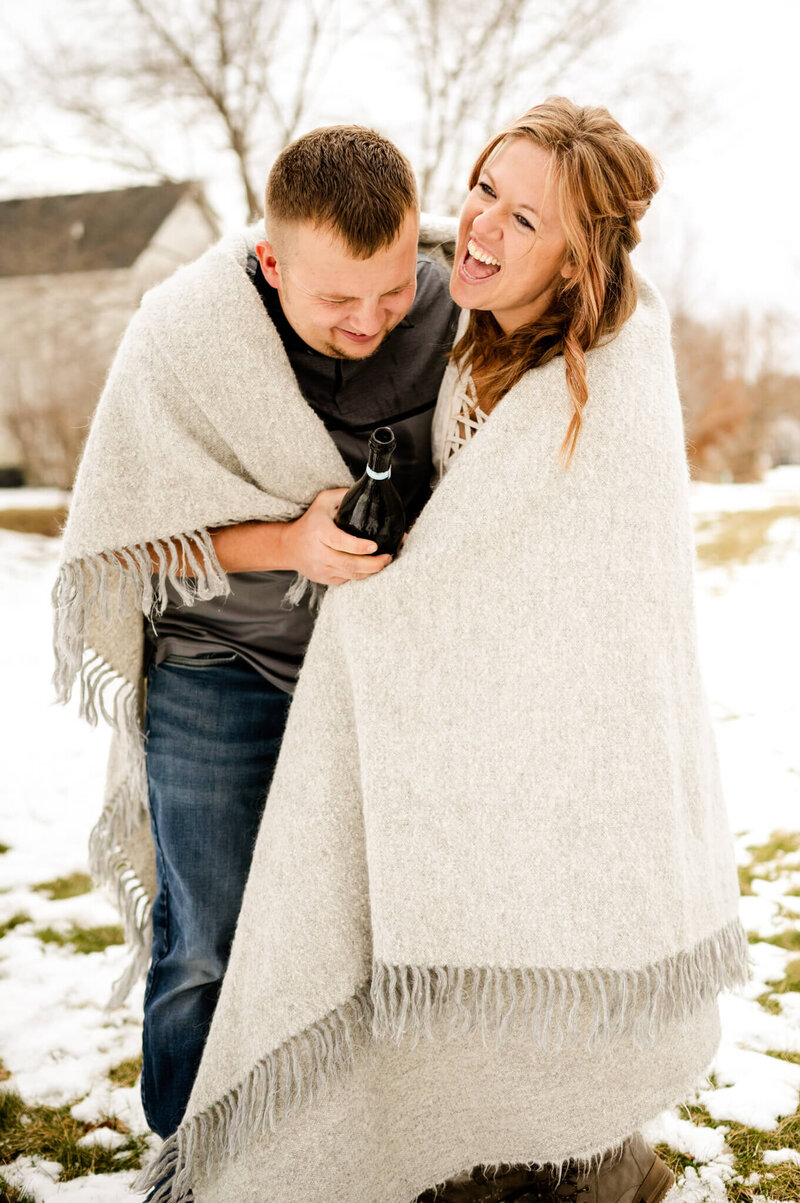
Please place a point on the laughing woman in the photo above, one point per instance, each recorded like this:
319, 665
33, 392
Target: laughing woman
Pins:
493, 899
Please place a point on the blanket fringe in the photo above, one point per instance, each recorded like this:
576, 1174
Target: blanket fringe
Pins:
407, 1000
282, 1082
583, 1164
115, 584
297, 591
110, 584
404, 1001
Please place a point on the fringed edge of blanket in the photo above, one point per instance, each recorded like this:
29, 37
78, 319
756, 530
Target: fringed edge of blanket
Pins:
582, 1164
280, 1083
636, 1003
122, 815
404, 1001
110, 867
110, 584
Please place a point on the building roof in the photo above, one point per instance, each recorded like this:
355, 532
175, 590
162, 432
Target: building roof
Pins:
87, 231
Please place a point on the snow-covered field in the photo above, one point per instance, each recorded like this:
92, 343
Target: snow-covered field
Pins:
58, 1046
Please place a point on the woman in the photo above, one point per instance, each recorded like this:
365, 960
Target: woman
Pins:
493, 898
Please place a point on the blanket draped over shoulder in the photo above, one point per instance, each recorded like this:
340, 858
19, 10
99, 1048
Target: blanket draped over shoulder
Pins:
493, 898
201, 424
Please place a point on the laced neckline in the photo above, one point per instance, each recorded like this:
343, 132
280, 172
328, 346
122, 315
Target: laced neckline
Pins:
466, 416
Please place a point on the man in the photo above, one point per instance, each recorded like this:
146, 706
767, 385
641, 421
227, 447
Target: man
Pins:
365, 323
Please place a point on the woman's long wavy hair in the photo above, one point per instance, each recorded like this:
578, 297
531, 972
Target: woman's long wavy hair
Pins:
604, 181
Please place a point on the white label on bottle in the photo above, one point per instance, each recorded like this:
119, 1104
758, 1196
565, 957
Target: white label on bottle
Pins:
378, 475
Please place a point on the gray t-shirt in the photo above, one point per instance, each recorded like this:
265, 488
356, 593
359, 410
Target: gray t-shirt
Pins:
397, 387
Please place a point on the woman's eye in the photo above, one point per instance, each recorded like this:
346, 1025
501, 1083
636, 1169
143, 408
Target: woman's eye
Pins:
485, 189
523, 221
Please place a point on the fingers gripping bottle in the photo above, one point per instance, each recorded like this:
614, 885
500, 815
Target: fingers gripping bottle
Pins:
372, 508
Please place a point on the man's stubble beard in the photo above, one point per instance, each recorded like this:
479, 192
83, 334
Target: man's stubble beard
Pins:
334, 352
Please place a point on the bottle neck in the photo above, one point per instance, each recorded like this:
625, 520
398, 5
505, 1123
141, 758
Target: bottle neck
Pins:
371, 472
379, 460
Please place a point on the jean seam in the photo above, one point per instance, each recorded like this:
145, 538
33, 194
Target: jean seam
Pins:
155, 962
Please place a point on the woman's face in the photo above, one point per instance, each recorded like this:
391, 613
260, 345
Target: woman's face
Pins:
511, 245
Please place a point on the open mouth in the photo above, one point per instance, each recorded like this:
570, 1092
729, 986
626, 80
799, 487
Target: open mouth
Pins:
477, 264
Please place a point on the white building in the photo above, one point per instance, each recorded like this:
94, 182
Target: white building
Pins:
72, 271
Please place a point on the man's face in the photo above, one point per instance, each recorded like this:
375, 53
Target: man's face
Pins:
341, 306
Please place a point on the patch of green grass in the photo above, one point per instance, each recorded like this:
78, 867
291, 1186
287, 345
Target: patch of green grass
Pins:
4, 848
52, 1133
47, 520
779, 845
677, 1162
736, 537
7, 1193
788, 939
14, 921
793, 1057
65, 887
698, 1114
746, 876
83, 939
127, 1072
748, 1146
769, 1003
790, 982
5, 1074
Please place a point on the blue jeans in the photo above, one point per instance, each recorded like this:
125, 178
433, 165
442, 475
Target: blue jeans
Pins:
213, 730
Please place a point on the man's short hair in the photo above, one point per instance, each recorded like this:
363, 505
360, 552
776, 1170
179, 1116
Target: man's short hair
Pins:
348, 178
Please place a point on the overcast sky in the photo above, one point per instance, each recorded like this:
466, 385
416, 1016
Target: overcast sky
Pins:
725, 223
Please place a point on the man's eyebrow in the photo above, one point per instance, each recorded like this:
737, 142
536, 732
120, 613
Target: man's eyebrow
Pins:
530, 208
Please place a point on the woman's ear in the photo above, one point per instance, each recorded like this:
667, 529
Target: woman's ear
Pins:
568, 269
269, 264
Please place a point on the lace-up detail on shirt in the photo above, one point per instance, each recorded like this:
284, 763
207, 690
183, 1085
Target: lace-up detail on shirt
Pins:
466, 416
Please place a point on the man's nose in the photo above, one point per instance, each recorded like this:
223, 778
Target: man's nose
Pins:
368, 316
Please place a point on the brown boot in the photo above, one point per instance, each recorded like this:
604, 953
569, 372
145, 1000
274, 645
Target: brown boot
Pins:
633, 1175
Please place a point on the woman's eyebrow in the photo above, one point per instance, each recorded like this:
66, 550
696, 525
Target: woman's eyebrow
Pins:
530, 208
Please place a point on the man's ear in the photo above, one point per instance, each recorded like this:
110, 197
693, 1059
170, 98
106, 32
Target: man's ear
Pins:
269, 264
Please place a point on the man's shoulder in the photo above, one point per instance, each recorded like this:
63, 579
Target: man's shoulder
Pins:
203, 291
437, 238
432, 302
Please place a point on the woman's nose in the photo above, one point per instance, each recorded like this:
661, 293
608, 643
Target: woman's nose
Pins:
488, 222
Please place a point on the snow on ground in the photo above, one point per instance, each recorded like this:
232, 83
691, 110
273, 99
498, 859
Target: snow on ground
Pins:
58, 1043
32, 499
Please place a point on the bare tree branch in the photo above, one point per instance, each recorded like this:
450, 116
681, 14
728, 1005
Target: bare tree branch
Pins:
497, 55
240, 70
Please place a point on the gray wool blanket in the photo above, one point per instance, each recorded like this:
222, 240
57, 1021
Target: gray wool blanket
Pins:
493, 898
200, 424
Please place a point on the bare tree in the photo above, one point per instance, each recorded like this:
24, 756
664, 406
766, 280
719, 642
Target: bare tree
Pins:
476, 66
732, 391
238, 73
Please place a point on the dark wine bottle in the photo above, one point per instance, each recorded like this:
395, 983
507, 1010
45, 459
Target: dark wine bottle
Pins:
372, 508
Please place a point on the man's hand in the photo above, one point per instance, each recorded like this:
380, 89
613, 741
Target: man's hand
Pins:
314, 545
